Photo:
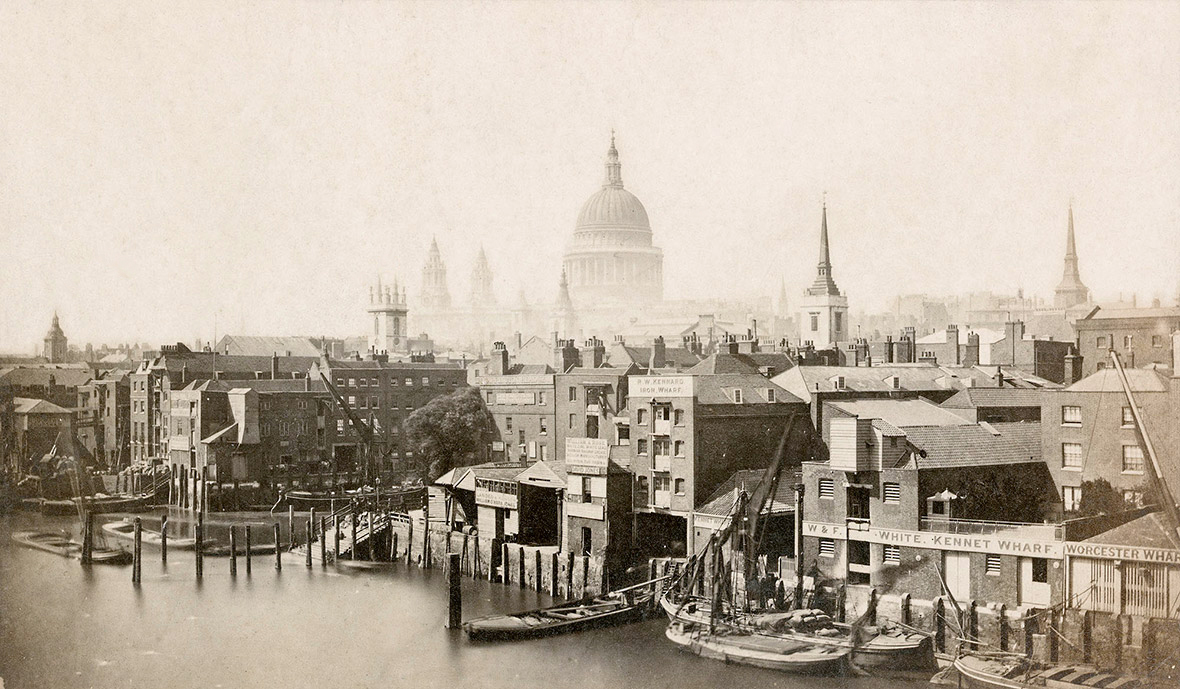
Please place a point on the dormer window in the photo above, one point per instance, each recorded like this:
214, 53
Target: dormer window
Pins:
840, 383
737, 395
895, 382
770, 394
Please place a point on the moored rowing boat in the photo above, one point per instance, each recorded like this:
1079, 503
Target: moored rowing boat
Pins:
758, 650
60, 544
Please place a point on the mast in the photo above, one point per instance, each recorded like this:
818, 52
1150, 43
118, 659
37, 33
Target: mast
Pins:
1154, 474
362, 430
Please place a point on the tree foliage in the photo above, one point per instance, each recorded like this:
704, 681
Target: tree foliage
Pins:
1099, 497
449, 431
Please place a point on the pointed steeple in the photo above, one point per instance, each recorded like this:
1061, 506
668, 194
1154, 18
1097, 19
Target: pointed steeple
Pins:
563, 293
614, 169
824, 284
1070, 291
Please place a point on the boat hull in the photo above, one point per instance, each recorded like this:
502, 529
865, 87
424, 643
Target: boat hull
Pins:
755, 650
124, 532
906, 651
979, 672
64, 547
589, 613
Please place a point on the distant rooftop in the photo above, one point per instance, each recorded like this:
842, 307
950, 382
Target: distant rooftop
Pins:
901, 413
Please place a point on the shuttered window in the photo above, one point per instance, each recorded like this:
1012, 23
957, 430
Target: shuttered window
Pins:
891, 555
891, 493
827, 488
992, 566
827, 547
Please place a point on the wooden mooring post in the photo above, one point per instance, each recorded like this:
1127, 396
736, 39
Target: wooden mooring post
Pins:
88, 538
200, 546
278, 548
137, 552
307, 557
247, 530
233, 550
455, 589
336, 538
323, 542
164, 540
353, 518
290, 526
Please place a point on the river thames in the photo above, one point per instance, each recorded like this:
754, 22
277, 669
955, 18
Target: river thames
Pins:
63, 625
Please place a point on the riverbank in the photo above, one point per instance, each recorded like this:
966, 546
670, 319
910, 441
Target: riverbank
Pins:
65, 626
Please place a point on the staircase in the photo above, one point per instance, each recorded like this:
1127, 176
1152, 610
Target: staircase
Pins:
339, 525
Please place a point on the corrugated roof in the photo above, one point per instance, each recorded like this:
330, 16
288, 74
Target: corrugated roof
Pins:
974, 445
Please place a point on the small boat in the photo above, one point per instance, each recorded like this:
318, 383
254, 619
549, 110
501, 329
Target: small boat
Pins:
741, 647
125, 531
60, 544
617, 607
99, 504
871, 646
1011, 671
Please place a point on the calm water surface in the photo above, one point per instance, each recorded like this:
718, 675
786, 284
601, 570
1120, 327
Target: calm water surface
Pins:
62, 626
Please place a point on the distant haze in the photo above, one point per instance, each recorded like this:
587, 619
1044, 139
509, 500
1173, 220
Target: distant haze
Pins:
166, 165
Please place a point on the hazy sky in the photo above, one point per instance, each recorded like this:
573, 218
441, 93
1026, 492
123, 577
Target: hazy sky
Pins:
161, 163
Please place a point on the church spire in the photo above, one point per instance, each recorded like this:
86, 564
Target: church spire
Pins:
1070, 291
824, 284
614, 170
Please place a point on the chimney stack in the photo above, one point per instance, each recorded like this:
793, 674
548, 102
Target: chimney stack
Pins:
952, 339
889, 349
274, 366
658, 352
593, 353
498, 365
567, 356
971, 355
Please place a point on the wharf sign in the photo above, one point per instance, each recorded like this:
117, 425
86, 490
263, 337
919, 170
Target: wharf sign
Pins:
1100, 551
660, 386
591, 453
995, 544
515, 398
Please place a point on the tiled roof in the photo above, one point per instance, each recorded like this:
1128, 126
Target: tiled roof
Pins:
901, 413
887, 429
975, 445
1107, 380
971, 398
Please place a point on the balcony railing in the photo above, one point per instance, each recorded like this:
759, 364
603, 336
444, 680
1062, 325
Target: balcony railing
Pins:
1050, 532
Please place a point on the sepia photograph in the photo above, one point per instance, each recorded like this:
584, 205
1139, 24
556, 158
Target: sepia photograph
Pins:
636, 343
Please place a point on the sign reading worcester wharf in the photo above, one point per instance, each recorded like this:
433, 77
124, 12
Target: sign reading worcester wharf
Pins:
976, 543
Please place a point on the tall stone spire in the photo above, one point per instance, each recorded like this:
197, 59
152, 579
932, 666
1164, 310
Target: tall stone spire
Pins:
435, 293
1070, 291
614, 169
483, 296
824, 284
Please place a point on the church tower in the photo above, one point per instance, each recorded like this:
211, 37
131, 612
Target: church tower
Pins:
55, 348
387, 310
435, 295
1070, 291
823, 311
482, 294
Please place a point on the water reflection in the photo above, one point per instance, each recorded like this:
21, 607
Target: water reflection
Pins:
62, 625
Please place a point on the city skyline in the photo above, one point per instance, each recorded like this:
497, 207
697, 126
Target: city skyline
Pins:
266, 182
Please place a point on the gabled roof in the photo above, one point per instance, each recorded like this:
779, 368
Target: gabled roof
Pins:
976, 445
1107, 380
547, 474
26, 405
970, 398
674, 357
261, 345
725, 363
901, 413
1148, 531
723, 499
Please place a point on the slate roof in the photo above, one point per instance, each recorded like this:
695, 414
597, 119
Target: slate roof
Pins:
1148, 531
970, 398
260, 345
26, 405
372, 365
260, 385
721, 502
718, 389
676, 357
38, 376
986, 336
975, 445
1107, 380
1161, 312
901, 413
725, 363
